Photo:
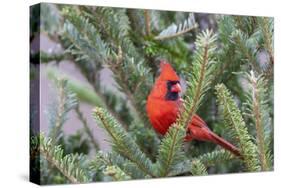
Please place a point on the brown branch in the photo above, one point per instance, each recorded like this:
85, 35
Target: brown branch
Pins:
147, 22
176, 34
87, 128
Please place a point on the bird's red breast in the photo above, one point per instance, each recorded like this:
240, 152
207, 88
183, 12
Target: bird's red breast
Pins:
162, 114
161, 111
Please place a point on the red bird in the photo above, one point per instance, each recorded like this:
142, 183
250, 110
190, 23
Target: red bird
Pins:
164, 105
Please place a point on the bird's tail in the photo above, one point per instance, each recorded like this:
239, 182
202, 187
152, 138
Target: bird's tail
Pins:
225, 144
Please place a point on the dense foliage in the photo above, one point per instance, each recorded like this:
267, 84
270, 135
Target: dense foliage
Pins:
227, 62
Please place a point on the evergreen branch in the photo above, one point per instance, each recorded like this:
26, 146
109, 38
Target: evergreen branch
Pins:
50, 19
198, 168
113, 165
236, 125
216, 157
114, 26
246, 24
137, 21
68, 165
87, 94
181, 168
201, 75
66, 101
130, 71
116, 173
266, 25
79, 46
87, 128
247, 47
122, 142
102, 160
259, 110
227, 57
174, 30
171, 151
267, 29
84, 35
226, 26
117, 106
134, 79
47, 57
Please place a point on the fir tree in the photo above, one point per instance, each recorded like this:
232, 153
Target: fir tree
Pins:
231, 62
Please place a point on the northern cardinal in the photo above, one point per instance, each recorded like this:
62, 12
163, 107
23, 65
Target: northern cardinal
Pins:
164, 105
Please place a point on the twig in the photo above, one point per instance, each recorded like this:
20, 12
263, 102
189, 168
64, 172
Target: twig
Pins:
87, 128
165, 37
170, 155
258, 123
55, 163
147, 22
199, 86
59, 118
268, 39
126, 151
124, 86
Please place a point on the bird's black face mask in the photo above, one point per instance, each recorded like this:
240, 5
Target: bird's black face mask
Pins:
173, 90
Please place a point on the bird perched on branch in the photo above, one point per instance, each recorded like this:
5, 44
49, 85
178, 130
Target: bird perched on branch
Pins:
164, 106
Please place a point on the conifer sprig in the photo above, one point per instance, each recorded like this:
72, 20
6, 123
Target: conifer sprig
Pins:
237, 128
198, 168
183, 167
201, 74
65, 102
215, 157
122, 142
102, 160
87, 128
68, 165
114, 27
259, 112
247, 47
116, 173
267, 27
84, 36
171, 150
174, 30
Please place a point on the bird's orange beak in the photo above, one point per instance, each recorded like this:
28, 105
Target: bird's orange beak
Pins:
176, 88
